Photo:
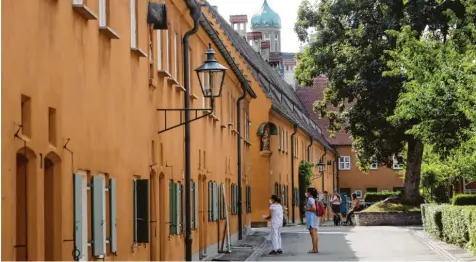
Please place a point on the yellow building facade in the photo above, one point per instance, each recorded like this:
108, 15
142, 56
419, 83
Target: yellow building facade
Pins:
85, 173
282, 135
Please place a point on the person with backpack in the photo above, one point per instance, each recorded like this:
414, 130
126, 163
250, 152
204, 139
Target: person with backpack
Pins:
312, 218
276, 215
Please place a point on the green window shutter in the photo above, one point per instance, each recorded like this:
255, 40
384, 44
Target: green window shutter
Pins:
215, 201
182, 206
112, 216
178, 208
79, 213
195, 207
249, 203
171, 207
210, 201
232, 199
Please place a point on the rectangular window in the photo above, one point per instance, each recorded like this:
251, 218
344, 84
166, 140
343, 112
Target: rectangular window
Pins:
172, 208
287, 141
195, 205
180, 207
279, 138
372, 190
52, 126
396, 163
215, 202
358, 193
248, 199
167, 50
159, 50
105, 19
141, 210
374, 165
175, 57
26, 115
134, 31
344, 163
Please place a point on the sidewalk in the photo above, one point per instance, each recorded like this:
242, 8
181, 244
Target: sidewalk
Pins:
243, 249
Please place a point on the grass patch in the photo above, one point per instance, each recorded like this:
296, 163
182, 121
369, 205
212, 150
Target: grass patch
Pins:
391, 207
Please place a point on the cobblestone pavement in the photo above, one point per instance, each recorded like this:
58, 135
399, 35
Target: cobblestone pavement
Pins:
362, 244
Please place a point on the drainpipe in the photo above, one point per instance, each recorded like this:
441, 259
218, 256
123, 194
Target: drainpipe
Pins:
292, 166
195, 13
238, 141
322, 159
337, 173
309, 150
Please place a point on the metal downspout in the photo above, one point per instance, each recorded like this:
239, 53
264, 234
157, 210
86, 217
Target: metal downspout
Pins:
292, 167
322, 159
238, 141
309, 150
195, 13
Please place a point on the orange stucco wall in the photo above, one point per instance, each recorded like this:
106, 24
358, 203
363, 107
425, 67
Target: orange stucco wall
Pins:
107, 108
382, 178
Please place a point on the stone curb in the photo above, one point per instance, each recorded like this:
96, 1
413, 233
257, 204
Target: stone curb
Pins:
433, 245
258, 251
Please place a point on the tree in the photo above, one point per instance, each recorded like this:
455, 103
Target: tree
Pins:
351, 49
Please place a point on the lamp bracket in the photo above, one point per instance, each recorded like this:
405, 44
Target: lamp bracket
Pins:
209, 111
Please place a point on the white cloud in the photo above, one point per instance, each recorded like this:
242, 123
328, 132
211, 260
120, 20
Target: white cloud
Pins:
286, 9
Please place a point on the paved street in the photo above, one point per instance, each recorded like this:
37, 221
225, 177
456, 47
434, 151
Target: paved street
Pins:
360, 243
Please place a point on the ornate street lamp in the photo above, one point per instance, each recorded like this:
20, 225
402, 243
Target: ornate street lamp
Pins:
321, 166
211, 75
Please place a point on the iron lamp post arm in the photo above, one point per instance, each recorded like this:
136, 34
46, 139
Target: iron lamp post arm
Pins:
183, 122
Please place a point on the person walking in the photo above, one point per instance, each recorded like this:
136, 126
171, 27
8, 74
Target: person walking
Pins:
276, 217
325, 203
336, 201
312, 220
355, 207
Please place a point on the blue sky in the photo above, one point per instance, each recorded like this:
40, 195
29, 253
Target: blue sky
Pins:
287, 10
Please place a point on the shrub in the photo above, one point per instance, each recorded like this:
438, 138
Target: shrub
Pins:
464, 200
379, 196
433, 223
452, 224
455, 222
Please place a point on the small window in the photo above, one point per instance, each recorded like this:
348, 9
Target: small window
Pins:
374, 165
26, 115
384, 191
344, 163
167, 50
396, 163
134, 34
176, 47
358, 193
159, 50
372, 190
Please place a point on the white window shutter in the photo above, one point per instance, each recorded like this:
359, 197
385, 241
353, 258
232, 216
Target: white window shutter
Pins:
133, 24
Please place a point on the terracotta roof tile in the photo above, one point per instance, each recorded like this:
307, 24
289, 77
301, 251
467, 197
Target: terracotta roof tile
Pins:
308, 95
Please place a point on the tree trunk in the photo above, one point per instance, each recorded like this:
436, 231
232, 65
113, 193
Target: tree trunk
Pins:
411, 188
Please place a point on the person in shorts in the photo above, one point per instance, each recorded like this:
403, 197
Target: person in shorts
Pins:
312, 220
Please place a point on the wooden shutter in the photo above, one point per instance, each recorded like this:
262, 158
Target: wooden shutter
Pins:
79, 214
112, 216
210, 201
178, 203
171, 208
215, 201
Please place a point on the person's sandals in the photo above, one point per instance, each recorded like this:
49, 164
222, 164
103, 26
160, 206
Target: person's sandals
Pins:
273, 252
280, 251
313, 251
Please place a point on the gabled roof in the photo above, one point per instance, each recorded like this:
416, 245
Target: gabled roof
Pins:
308, 96
284, 99
222, 49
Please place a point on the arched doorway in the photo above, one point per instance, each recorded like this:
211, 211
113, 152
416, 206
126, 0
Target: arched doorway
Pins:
52, 207
25, 178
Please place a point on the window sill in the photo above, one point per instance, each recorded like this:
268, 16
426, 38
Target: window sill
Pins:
107, 31
193, 97
164, 73
214, 117
152, 83
235, 132
344, 169
223, 126
85, 12
138, 52
231, 126
180, 88
171, 79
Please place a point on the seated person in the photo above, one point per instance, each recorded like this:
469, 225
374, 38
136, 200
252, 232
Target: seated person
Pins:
355, 207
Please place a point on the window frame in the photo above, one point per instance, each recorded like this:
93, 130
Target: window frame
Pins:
343, 163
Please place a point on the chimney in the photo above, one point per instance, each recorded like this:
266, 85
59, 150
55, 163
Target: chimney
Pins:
215, 7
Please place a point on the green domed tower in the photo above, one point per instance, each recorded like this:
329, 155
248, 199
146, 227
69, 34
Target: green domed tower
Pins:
266, 18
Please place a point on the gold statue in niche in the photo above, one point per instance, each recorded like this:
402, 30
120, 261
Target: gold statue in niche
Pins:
265, 139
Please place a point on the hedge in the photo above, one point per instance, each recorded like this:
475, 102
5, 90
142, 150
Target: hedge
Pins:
464, 200
379, 196
452, 224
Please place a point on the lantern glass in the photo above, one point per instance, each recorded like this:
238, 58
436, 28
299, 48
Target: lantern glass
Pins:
211, 75
321, 166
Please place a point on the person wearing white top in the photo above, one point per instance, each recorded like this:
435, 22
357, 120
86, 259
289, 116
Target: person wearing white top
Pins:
276, 216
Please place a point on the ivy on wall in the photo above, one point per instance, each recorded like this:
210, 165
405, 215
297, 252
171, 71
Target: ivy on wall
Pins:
305, 171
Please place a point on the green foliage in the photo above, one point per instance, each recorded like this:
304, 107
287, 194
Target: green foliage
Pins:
391, 207
305, 170
452, 224
379, 196
432, 222
464, 200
